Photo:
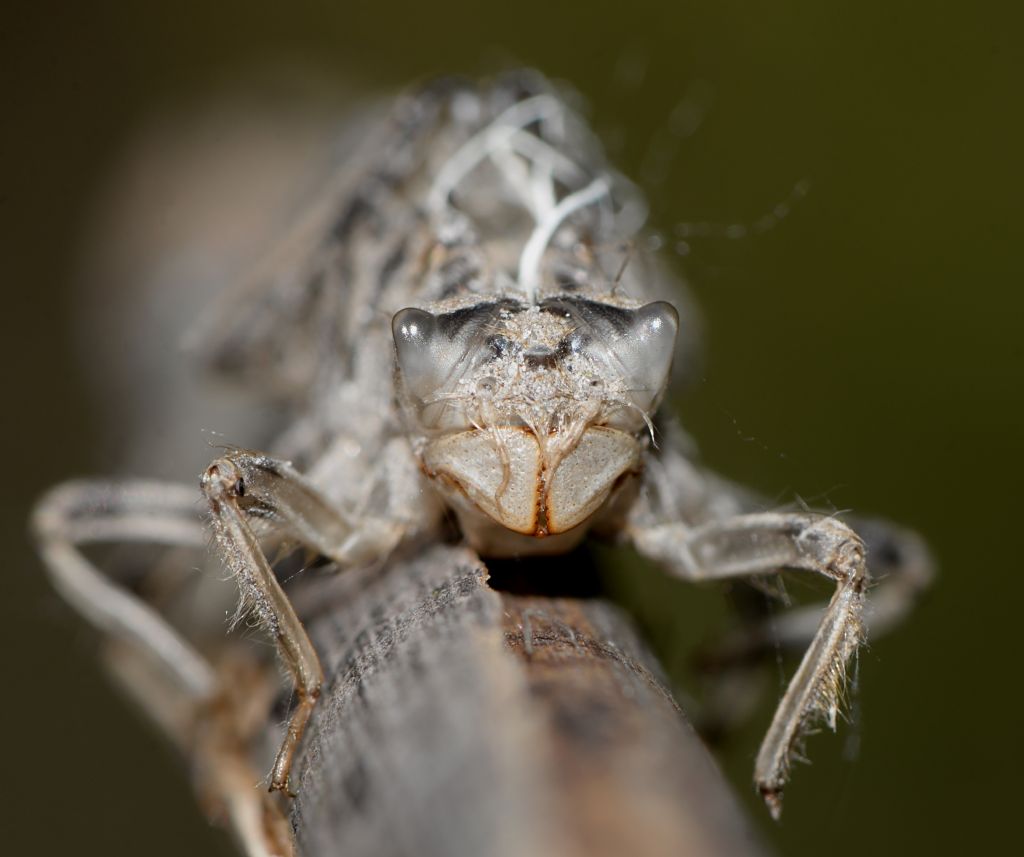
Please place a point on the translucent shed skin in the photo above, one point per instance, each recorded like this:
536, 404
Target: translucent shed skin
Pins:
467, 322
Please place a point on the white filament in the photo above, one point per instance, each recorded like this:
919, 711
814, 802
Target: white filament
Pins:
482, 144
508, 146
533, 252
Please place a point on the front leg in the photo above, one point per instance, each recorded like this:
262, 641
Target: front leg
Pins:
765, 543
244, 485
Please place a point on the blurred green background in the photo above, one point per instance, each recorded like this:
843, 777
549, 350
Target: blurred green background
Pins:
865, 353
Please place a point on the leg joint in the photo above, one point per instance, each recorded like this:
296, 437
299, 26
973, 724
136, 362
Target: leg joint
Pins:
222, 480
838, 549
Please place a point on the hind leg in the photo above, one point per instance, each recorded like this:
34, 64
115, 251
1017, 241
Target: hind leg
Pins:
193, 701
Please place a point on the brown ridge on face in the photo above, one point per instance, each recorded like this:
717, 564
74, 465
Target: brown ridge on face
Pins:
541, 529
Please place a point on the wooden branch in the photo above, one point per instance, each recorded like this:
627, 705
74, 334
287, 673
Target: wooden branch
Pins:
460, 721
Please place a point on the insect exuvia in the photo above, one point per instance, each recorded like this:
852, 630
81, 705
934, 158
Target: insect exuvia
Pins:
464, 325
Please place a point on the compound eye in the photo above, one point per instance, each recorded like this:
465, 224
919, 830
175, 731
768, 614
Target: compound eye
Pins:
644, 352
423, 362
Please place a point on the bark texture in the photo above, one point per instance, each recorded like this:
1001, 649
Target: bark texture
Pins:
462, 721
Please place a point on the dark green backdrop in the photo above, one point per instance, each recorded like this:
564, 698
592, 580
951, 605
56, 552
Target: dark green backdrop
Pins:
867, 351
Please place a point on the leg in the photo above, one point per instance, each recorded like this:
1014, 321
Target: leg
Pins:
901, 571
78, 513
762, 544
243, 486
216, 739
193, 703
227, 782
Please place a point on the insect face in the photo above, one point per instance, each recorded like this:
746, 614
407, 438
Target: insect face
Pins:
531, 414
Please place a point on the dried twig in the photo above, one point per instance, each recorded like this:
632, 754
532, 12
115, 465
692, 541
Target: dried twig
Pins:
460, 720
